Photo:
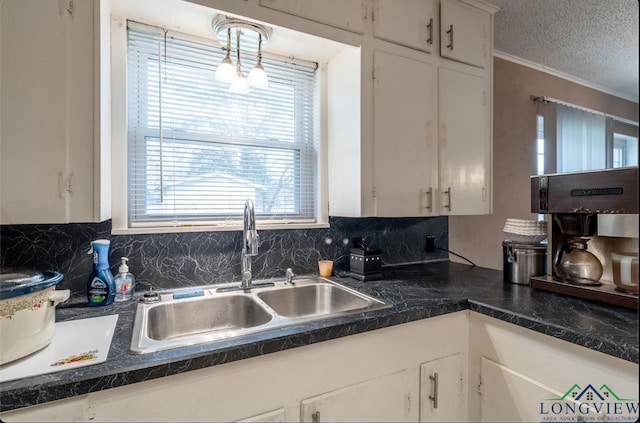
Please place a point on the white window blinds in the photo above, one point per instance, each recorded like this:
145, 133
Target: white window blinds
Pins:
197, 151
581, 139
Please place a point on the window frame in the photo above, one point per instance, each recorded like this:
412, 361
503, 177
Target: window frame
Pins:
549, 117
119, 168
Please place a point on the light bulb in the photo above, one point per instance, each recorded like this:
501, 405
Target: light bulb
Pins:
258, 77
240, 84
226, 72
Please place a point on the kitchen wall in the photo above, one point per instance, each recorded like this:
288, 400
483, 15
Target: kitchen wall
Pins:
201, 258
514, 152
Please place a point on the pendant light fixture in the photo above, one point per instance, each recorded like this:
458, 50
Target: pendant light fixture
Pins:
257, 76
250, 37
226, 72
239, 83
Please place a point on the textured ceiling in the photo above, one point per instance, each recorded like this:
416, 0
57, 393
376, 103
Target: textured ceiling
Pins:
592, 40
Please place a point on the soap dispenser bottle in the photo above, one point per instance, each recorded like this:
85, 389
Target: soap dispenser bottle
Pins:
125, 282
101, 288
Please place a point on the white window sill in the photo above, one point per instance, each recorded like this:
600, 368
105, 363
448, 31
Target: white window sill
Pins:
213, 228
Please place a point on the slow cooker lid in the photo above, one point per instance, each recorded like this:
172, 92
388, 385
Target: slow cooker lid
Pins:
16, 281
12, 276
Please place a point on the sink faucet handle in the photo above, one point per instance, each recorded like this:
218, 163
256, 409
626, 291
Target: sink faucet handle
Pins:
290, 275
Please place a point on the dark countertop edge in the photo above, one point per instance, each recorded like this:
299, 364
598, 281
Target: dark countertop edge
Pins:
588, 341
29, 396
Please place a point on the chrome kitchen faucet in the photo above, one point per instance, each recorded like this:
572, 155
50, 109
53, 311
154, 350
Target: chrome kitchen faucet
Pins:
250, 241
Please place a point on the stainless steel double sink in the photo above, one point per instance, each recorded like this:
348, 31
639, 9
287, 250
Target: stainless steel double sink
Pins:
222, 312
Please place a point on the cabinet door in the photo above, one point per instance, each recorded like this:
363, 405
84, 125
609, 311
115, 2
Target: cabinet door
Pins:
47, 160
405, 152
442, 391
464, 33
511, 396
464, 143
345, 14
271, 416
412, 25
385, 398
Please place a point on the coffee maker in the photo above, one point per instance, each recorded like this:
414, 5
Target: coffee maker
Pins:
589, 215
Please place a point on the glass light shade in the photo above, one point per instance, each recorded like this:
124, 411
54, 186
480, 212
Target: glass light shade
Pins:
258, 77
226, 72
239, 84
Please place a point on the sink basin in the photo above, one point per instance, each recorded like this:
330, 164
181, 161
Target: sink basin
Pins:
225, 313
222, 312
313, 300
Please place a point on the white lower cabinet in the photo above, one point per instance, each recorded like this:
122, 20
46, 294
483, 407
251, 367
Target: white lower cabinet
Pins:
372, 376
443, 396
487, 370
516, 374
508, 395
385, 398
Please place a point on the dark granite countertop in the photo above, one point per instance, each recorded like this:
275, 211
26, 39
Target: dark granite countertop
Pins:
416, 292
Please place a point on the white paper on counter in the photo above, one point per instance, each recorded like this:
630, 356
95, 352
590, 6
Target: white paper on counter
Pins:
76, 343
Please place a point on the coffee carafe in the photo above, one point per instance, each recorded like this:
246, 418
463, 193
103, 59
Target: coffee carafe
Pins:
573, 263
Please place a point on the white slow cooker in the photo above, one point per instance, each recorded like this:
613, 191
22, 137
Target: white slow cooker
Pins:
27, 310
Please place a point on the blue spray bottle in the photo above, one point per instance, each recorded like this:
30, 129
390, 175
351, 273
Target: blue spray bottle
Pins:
101, 288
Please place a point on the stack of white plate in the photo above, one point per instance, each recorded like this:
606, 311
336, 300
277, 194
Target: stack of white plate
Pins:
525, 231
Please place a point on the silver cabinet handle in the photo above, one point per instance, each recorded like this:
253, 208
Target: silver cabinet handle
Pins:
434, 397
315, 417
448, 192
430, 28
450, 32
429, 195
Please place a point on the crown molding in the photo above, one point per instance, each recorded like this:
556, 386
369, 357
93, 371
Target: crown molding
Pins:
541, 68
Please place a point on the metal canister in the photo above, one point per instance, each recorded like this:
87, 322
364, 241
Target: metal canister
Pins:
522, 261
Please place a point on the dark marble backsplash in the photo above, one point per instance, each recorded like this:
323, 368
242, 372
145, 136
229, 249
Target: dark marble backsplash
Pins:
201, 258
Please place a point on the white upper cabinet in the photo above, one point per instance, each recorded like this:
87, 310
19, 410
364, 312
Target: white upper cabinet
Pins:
49, 169
404, 144
408, 129
343, 14
275, 416
409, 132
464, 142
464, 33
413, 23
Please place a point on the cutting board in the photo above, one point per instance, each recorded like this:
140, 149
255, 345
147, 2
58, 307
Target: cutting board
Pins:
77, 343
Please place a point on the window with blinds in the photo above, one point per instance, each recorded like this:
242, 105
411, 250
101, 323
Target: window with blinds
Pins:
197, 151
